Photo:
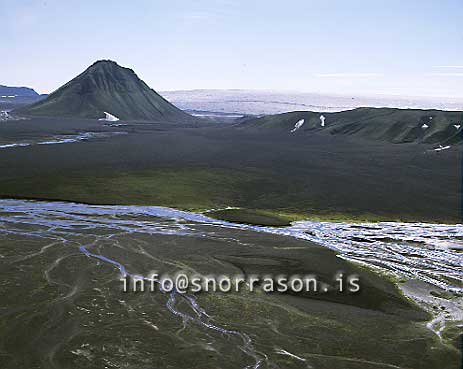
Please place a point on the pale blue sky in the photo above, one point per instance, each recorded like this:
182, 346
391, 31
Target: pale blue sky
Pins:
408, 47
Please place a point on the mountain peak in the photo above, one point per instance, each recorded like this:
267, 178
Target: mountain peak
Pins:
106, 86
112, 68
106, 63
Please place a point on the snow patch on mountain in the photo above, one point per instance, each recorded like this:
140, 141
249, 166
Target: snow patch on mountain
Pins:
298, 125
109, 117
441, 148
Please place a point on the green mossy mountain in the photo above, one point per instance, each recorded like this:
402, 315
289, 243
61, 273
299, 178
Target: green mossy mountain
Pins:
106, 87
391, 125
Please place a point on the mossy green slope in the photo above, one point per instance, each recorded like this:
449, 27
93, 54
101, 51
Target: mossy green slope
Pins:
106, 87
380, 124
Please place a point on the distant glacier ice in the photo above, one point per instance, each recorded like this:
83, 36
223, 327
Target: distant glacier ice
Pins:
255, 102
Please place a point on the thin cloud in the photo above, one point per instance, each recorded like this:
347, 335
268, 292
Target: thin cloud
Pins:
198, 16
223, 9
348, 75
445, 74
449, 66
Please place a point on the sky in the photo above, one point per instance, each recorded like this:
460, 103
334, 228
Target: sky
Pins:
394, 47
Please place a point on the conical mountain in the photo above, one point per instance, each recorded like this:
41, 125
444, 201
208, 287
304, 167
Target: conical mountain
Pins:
106, 87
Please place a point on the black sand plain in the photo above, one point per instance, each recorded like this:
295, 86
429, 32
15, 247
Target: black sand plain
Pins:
205, 165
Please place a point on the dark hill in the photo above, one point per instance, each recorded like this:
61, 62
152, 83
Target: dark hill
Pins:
106, 87
13, 97
17, 91
380, 124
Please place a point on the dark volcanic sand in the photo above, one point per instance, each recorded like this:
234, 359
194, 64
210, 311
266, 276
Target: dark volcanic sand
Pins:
207, 165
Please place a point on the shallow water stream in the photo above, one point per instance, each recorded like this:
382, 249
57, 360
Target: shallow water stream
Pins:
59, 263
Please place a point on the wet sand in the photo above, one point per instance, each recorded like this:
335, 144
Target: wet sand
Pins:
81, 319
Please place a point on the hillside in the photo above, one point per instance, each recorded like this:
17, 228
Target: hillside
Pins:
381, 124
10, 91
106, 87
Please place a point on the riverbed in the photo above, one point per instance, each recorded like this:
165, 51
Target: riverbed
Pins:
61, 265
